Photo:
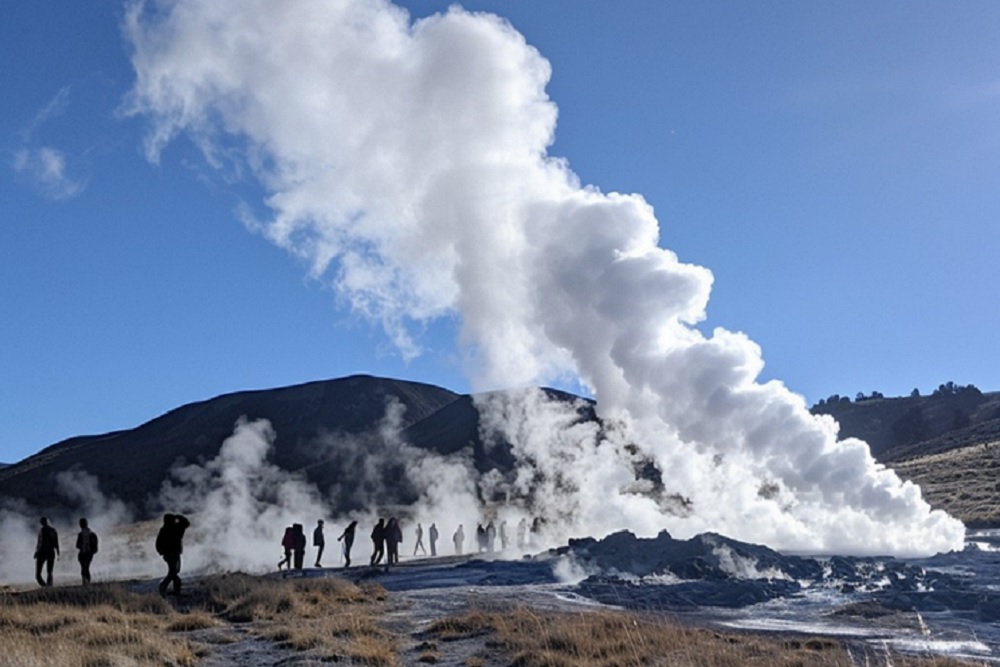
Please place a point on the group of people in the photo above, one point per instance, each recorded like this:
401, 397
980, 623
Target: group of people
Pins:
169, 544
386, 537
294, 545
47, 550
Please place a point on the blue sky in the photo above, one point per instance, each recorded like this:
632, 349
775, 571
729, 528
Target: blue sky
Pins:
835, 167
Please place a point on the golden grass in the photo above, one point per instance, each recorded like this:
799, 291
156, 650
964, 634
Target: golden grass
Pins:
623, 639
109, 625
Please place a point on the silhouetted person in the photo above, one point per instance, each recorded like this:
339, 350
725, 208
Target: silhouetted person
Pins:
420, 541
378, 542
298, 545
432, 535
86, 546
504, 537
348, 538
480, 538
393, 536
287, 543
46, 550
491, 537
458, 538
319, 541
170, 545
522, 528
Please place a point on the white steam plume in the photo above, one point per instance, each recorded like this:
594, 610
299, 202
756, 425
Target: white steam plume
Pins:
408, 163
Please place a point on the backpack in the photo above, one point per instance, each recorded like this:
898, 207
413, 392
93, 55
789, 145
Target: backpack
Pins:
93, 543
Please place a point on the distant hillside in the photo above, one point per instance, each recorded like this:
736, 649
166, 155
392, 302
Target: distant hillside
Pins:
324, 430
900, 428
962, 481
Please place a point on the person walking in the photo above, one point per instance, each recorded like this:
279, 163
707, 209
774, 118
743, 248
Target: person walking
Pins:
46, 552
170, 545
86, 546
378, 542
420, 541
319, 541
432, 535
458, 538
287, 542
348, 539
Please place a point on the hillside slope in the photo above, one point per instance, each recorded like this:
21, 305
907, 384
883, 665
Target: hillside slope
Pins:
900, 428
132, 464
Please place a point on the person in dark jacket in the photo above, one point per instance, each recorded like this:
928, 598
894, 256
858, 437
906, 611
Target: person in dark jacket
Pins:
170, 545
378, 542
46, 551
480, 538
86, 546
298, 545
319, 541
393, 536
287, 542
348, 538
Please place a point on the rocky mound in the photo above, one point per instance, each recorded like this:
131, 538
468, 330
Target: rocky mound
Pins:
664, 573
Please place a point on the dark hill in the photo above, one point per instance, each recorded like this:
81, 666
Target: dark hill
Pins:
326, 431
132, 464
900, 428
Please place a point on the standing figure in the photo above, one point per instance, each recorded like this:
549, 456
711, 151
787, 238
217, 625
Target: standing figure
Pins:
170, 545
86, 545
298, 545
46, 550
504, 537
319, 541
522, 528
378, 542
491, 537
480, 538
348, 538
458, 538
420, 541
393, 536
432, 535
287, 542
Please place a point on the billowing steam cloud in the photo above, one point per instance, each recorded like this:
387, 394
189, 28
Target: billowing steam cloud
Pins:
407, 163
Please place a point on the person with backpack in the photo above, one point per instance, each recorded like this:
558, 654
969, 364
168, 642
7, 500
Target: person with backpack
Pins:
86, 546
46, 552
319, 541
170, 545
